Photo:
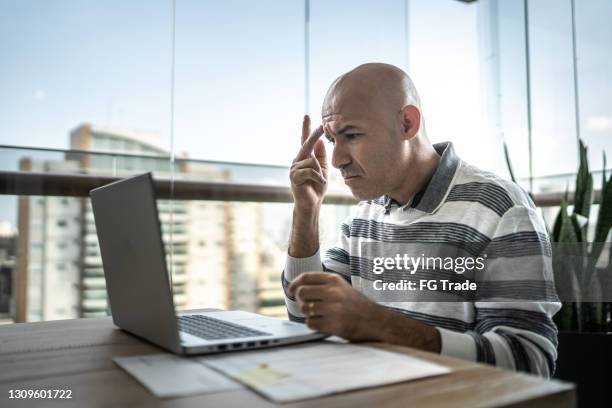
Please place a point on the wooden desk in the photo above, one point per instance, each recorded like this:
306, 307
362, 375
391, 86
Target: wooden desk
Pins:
76, 355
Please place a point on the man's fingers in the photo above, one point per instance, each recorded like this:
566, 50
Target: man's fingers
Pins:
309, 144
305, 128
309, 163
320, 153
316, 311
321, 323
309, 278
310, 293
301, 176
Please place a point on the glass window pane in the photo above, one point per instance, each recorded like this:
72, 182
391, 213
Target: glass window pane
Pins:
554, 140
594, 50
66, 63
504, 75
239, 80
446, 64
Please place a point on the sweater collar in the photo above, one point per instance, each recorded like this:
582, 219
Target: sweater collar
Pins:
431, 196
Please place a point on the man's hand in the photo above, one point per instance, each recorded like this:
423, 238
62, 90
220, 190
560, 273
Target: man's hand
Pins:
332, 306
308, 176
308, 172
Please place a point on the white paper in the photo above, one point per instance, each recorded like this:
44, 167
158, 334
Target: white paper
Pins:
311, 370
167, 375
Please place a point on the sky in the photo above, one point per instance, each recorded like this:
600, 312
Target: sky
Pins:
239, 74
239, 88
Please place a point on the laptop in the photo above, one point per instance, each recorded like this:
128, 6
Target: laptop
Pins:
138, 286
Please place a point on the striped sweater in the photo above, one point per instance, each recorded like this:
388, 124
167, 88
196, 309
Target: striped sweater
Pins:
463, 210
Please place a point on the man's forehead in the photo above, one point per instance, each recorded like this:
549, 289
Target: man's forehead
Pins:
345, 110
352, 104
344, 98
339, 123
351, 115
338, 119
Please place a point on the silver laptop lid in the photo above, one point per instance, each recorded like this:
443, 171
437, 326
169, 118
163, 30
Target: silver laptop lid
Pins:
134, 260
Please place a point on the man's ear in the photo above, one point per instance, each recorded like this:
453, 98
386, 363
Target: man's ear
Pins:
411, 121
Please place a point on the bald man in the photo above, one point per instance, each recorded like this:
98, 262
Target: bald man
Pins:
416, 198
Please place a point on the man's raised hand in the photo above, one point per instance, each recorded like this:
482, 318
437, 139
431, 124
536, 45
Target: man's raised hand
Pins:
308, 173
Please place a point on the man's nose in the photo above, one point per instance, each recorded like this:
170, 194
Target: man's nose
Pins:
340, 157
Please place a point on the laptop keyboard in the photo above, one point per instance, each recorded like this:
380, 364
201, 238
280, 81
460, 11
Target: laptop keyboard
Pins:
210, 328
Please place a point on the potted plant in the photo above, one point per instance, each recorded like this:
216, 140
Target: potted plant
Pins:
583, 275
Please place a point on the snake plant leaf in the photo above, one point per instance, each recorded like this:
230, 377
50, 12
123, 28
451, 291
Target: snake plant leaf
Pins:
556, 232
508, 162
566, 272
568, 228
579, 227
604, 216
584, 185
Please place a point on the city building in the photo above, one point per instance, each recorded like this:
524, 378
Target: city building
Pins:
8, 242
59, 248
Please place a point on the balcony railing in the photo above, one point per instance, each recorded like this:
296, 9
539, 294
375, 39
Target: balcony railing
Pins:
71, 185
246, 182
232, 181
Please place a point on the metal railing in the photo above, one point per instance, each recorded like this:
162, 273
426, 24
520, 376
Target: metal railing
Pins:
52, 183
71, 185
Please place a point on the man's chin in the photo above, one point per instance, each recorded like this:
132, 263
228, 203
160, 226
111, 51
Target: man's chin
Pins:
363, 195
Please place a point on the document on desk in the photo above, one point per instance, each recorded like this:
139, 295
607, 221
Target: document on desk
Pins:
167, 375
311, 370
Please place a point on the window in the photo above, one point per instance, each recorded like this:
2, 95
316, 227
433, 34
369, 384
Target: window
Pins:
243, 79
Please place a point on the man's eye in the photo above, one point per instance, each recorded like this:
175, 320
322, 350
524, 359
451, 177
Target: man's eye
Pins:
351, 136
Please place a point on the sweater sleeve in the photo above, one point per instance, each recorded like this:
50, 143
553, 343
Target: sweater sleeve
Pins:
336, 261
515, 300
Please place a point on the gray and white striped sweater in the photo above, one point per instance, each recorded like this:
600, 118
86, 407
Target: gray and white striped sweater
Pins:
508, 320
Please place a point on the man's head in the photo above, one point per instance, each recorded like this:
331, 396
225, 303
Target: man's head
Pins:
372, 115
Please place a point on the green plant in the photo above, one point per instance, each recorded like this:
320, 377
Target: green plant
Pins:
575, 259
